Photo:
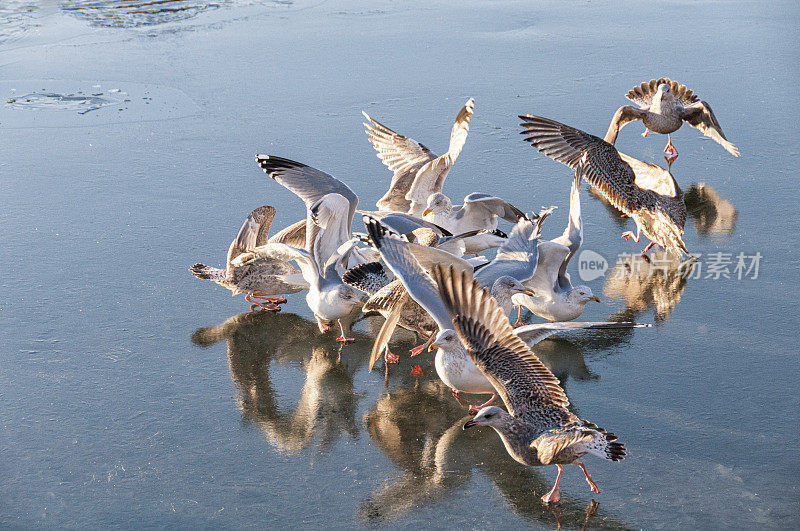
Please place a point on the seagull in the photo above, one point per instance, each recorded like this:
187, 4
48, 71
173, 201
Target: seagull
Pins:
261, 280
330, 206
645, 192
663, 107
453, 365
537, 429
418, 172
479, 212
555, 298
390, 299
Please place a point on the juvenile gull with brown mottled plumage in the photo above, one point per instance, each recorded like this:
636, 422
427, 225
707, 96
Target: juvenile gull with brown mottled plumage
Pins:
537, 429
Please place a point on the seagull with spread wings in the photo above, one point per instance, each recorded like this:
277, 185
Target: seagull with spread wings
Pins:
645, 192
262, 280
452, 362
537, 429
555, 298
330, 206
664, 105
418, 172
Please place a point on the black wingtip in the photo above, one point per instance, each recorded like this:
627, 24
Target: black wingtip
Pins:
271, 164
375, 230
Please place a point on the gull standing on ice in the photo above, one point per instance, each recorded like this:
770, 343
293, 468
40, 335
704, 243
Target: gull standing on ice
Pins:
537, 429
418, 172
330, 208
645, 192
262, 280
663, 107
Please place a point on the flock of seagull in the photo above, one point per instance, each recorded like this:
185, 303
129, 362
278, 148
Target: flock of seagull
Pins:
418, 264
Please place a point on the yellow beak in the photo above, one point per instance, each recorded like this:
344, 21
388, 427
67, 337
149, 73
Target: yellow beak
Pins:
526, 291
426, 212
594, 298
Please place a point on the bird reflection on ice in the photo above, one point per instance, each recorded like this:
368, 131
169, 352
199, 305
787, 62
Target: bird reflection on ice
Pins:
420, 429
255, 341
656, 283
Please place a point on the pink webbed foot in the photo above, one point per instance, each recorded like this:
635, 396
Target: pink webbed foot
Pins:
473, 410
343, 338
457, 397
646, 132
671, 149
273, 300
554, 495
388, 357
589, 480
259, 305
630, 235
322, 326
416, 351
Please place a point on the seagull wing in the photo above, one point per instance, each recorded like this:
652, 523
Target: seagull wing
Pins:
520, 378
700, 116
254, 232
403, 155
417, 282
430, 177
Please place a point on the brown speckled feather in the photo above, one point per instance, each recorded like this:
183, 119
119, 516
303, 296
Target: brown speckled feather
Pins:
403, 155
645, 192
294, 235
642, 95
521, 379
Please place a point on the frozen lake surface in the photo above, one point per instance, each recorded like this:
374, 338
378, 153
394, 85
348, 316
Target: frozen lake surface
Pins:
136, 395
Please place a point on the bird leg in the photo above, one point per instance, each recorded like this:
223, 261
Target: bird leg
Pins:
644, 251
629, 234
418, 350
456, 396
554, 495
519, 322
269, 306
669, 148
342, 338
646, 132
473, 410
322, 326
592, 484
388, 357
274, 300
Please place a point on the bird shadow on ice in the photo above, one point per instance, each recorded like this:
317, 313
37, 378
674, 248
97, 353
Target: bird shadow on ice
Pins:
641, 284
420, 430
325, 410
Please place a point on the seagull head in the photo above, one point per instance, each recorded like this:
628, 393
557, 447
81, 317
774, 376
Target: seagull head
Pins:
446, 340
582, 295
437, 203
664, 92
504, 289
489, 416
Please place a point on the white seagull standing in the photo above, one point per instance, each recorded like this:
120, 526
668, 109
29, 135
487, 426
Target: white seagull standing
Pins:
330, 208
